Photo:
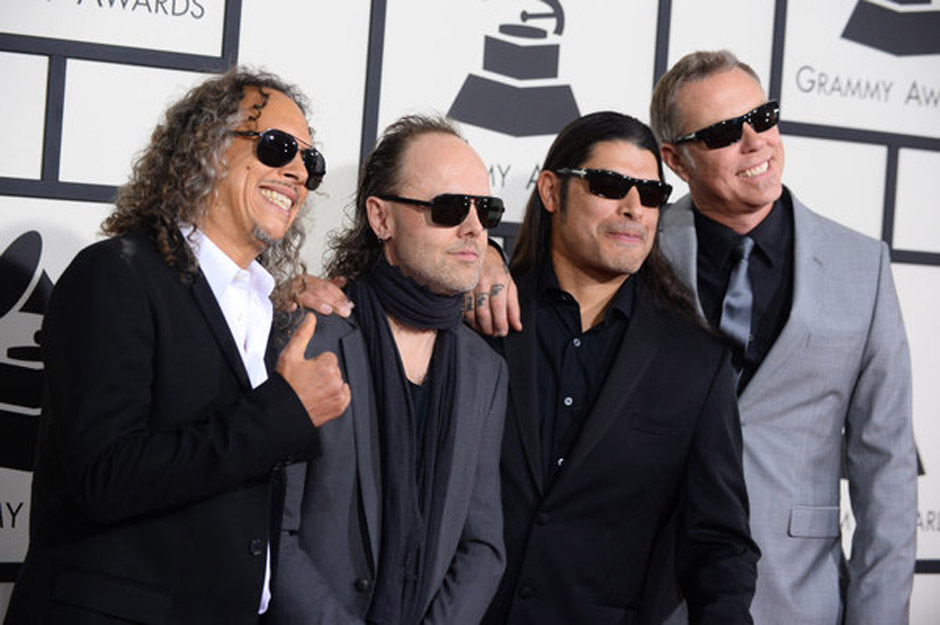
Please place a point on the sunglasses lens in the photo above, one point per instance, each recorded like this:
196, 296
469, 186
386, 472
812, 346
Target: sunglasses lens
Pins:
722, 134
611, 185
653, 195
449, 209
490, 211
765, 117
608, 185
276, 148
725, 133
316, 167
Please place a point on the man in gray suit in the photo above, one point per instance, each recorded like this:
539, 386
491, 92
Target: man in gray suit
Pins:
399, 520
822, 355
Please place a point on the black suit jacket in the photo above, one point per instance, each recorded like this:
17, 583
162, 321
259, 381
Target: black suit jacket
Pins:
656, 470
151, 498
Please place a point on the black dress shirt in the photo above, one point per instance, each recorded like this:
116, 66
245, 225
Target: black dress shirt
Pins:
770, 271
572, 364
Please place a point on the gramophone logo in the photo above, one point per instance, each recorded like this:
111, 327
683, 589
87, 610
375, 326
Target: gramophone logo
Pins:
24, 293
522, 53
899, 27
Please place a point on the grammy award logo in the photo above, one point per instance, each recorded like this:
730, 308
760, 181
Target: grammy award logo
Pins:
523, 53
886, 27
24, 293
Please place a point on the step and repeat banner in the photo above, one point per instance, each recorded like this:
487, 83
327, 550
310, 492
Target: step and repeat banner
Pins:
84, 82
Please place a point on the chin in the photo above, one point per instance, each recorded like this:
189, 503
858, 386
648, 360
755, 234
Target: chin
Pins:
264, 238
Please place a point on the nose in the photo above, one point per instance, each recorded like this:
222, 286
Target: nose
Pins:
295, 170
471, 225
630, 205
750, 138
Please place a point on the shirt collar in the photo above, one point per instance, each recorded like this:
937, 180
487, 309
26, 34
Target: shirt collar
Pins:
220, 270
716, 241
551, 292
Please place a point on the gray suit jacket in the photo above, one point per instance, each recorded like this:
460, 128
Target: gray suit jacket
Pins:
837, 380
329, 542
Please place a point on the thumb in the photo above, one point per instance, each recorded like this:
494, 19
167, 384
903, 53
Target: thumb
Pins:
302, 335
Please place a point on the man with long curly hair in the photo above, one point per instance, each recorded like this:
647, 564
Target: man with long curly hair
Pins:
162, 427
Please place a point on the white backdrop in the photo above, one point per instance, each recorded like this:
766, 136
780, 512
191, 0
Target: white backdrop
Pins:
85, 81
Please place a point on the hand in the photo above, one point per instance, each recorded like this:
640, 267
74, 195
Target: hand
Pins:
324, 296
492, 307
317, 381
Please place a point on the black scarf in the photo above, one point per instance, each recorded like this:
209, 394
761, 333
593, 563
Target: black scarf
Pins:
414, 472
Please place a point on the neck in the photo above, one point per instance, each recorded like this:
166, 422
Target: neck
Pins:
226, 241
592, 290
741, 222
415, 348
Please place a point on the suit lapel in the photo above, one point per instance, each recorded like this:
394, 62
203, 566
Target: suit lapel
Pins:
220, 330
365, 433
521, 353
808, 278
678, 242
467, 429
637, 351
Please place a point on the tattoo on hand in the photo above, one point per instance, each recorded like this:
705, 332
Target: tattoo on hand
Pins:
497, 289
468, 302
481, 300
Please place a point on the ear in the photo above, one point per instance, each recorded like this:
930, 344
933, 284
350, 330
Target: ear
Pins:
675, 159
549, 186
380, 219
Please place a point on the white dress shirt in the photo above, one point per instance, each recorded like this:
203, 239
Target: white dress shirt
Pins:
244, 295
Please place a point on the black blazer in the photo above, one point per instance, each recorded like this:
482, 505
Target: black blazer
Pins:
151, 499
655, 471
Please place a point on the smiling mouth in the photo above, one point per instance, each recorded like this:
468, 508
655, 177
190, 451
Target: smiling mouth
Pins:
280, 200
755, 171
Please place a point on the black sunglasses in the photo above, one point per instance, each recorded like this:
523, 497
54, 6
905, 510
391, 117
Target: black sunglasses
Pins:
450, 209
729, 131
614, 186
276, 148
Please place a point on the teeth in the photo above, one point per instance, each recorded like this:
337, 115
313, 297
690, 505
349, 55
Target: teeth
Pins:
756, 170
278, 198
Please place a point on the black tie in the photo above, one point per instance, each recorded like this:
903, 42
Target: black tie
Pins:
736, 308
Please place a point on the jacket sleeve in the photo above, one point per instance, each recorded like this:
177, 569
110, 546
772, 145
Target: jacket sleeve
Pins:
716, 558
881, 468
101, 342
478, 563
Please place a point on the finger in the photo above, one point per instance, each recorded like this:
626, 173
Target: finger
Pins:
513, 311
325, 297
331, 407
297, 344
469, 311
484, 318
497, 309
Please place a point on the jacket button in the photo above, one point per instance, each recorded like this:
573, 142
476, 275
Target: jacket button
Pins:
542, 518
362, 584
256, 547
526, 592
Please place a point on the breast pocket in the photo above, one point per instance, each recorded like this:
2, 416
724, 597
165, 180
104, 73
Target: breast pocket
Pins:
814, 522
673, 423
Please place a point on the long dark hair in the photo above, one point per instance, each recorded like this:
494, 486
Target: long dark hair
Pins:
572, 148
172, 179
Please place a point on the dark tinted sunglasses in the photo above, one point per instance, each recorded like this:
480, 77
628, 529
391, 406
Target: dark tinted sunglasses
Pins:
276, 148
614, 186
729, 131
450, 209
